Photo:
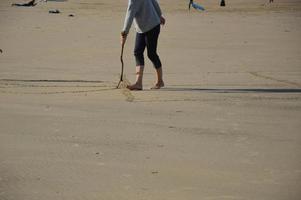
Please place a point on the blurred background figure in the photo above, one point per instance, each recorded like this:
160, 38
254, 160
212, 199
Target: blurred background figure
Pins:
223, 3
190, 3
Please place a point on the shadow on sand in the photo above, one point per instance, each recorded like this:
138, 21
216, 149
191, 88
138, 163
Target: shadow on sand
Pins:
171, 89
241, 90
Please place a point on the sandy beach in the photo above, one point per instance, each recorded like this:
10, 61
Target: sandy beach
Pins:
225, 127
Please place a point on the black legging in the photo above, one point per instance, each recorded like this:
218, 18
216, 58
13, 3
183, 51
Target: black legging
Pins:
150, 41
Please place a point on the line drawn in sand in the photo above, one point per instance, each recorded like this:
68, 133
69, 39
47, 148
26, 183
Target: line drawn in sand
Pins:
52, 86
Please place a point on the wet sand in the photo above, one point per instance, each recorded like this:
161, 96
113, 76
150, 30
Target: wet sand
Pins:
225, 127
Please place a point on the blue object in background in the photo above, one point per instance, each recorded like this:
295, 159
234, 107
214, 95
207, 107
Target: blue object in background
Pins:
197, 6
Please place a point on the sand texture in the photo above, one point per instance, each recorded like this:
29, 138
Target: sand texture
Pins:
225, 127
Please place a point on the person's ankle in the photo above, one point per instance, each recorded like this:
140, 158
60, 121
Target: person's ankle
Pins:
160, 83
135, 86
138, 83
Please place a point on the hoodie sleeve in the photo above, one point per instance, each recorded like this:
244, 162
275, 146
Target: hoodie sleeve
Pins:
157, 7
130, 14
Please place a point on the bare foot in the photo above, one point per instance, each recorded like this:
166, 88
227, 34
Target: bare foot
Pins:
158, 85
135, 86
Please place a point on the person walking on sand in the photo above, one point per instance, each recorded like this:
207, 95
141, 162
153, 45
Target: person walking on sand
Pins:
147, 18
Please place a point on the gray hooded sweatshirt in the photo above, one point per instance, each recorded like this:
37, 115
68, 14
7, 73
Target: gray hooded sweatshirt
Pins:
145, 14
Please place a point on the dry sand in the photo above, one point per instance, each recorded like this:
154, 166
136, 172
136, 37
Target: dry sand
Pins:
226, 127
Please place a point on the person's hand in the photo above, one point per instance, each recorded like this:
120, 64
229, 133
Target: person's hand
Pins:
123, 37
162, 20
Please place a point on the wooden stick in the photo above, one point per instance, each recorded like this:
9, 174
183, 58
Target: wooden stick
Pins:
122, 65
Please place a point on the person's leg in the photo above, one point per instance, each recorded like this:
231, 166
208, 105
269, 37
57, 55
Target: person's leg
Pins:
152, 43
159, 83
138, 85
138, 52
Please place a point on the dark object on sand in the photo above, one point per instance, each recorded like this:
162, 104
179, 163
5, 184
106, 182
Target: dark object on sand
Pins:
29, 4
197, 6
1, 51
223, 3
271, 1
56, 11
122, 65
71, 15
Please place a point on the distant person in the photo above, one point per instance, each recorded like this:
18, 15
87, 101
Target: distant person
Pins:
223, 3
147, 17
271, 1
190, 3
31, 3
